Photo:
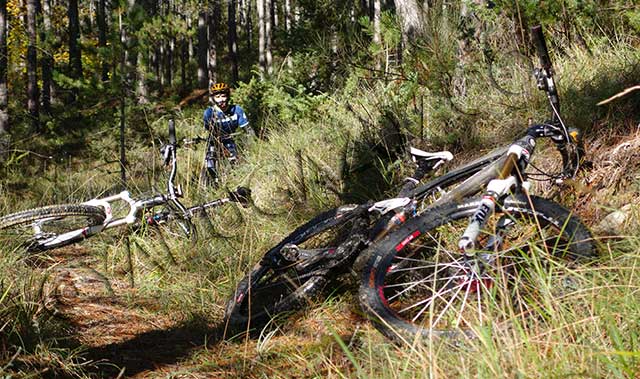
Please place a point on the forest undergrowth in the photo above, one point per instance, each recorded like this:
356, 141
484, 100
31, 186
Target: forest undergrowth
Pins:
131, 306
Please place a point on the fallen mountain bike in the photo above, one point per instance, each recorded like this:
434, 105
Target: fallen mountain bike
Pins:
472, 262
295, 271
54, 226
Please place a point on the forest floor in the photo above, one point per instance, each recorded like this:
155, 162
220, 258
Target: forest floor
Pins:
122, 335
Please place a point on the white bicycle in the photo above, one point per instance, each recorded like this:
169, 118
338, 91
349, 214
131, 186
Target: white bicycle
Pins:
54, 226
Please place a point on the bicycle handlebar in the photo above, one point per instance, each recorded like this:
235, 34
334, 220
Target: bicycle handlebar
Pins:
544, 77
541, 47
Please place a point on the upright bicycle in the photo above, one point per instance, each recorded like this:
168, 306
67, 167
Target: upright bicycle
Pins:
54, 226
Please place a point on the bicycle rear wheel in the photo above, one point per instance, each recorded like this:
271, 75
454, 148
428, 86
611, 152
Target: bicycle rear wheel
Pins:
417, 284
45, 228
292, 273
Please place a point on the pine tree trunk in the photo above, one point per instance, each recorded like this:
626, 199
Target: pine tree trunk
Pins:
377, 39
249, 25
158, 65
214, 30
268, 34
4, 62
287, 15
102, 36
411, 17
184, 60
32, 66
75, 54
46, 55
232, 40
262, 58
168, 70
287, 28
273, 9
203, 80
142, 92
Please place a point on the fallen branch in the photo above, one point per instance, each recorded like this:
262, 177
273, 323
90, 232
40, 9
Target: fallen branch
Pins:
623, 93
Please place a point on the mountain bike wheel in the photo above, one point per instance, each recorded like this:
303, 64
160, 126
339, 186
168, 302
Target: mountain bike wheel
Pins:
293, 272
417, 284
223, 222
43, 228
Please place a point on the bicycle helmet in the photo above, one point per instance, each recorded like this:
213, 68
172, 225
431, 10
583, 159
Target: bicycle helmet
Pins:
219, 88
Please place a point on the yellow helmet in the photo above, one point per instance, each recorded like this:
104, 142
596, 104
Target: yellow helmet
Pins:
219, 88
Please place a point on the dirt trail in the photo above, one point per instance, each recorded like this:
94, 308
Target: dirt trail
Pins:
120, 330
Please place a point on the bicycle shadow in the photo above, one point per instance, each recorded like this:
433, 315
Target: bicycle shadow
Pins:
153, 349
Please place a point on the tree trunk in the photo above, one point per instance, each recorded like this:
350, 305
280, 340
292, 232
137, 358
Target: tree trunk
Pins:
287, 15
102, 36
287, 29
410, 15
203, 80
46, 36
232, 40
156, 66
4, 62
273, 10
249, 25
168, 70
32, 66
377, 39
184, 60
75, 54
262, 58
214, 30
267, 34
142, 92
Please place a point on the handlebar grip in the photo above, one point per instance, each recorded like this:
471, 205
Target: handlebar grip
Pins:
172, 132
541, 47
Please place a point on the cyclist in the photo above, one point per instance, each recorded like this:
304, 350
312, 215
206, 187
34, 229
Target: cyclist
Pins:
221, 120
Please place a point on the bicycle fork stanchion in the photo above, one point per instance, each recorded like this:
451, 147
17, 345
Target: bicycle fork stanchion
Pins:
497, 189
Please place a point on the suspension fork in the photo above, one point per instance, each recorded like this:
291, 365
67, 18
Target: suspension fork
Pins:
497, 190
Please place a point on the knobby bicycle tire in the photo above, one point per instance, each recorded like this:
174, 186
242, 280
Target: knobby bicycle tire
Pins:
416, 284
54, 220
273, 287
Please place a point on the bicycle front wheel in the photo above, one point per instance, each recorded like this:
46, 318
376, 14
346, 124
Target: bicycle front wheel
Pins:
49, 227
417, 283
292, 273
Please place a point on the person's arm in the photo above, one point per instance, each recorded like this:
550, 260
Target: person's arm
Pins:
206, 118
243, 122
